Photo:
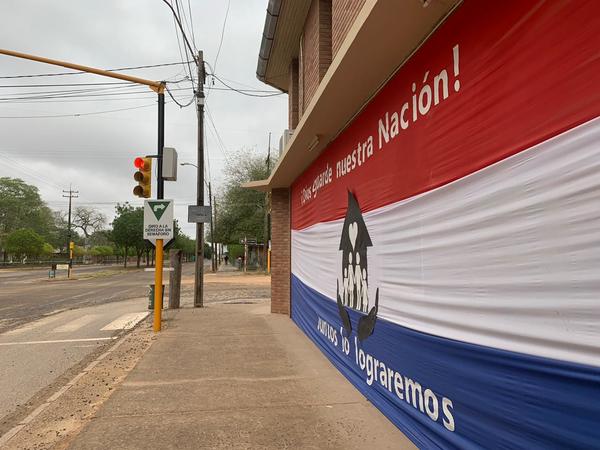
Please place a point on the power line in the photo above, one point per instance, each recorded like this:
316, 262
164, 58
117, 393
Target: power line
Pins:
106, 83
149, 66
177, 103
222, 34
243, 92
64, 84
31, 97
175, 19
78, 99
192, 24
220, 142
77, 114
180, 27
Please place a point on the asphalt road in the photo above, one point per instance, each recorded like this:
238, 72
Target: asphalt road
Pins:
27, 295
49, 327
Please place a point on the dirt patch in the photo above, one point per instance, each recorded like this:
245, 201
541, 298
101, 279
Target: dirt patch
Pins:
62, 419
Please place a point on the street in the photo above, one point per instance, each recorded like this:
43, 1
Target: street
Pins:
29, 295
48, 326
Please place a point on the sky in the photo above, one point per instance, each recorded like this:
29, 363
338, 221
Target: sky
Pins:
94, 153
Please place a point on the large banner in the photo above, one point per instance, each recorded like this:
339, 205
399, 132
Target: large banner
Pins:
446, 246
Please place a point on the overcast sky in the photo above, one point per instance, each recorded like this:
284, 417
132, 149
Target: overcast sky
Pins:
95, 153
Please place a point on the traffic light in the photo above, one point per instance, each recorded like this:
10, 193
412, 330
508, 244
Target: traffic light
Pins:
143, 176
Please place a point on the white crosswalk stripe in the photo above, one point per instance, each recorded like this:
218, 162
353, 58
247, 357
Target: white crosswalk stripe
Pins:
126, 321
76, 324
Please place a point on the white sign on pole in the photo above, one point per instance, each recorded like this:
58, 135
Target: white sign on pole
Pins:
158, 220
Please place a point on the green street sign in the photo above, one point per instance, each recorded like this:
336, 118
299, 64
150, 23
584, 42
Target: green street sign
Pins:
158, 220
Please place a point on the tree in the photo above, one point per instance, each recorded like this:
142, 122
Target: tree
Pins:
21, 207
128, 229
48, 249
242, 211
102, 251
24, 242
88, 220
59, 234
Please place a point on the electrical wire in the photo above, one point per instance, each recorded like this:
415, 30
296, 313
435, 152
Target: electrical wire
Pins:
222, 35
177, 103
149, 66
77, 114
77, 94
181, 28
244, 92
192, 25
64, 84
217, 136
175, 19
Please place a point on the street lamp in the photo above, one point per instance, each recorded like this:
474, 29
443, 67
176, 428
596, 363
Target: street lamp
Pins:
213, 257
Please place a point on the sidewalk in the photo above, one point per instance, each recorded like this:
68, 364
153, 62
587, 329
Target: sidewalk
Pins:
235, 376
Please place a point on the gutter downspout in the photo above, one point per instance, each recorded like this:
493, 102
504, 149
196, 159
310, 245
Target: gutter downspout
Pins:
267, 39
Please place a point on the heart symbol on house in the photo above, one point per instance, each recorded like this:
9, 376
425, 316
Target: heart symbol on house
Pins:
353, 233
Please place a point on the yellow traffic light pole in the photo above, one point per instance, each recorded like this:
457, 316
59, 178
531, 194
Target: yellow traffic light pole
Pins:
159, 88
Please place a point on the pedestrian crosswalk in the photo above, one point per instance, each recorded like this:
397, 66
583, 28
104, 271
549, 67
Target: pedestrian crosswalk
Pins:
58, 325
76, 324
125, 322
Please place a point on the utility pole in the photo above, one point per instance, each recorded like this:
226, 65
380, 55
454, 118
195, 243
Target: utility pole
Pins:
71, 195
213, 246
199, 275
268, 213
216, 245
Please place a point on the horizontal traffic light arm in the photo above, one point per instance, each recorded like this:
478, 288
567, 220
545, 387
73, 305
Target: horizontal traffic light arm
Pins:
156, 86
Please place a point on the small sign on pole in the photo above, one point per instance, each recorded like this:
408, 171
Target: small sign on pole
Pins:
158, 220
199, 214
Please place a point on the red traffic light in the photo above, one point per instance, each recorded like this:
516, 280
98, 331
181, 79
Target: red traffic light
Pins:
139, 163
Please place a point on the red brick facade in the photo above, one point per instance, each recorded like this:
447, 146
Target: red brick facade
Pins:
293, 112
315, 50
344, 13
280, 251
325, 28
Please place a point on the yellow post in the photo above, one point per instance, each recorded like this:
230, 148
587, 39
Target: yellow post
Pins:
158, 274
71, 247
269, 261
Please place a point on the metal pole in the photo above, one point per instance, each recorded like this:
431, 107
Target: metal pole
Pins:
199, 275
160, 190
213, 246
267, 225
216, 245
158, 286
69, 232
158, 270
69, 236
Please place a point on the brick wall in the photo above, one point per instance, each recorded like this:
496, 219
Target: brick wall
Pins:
293, 113
315, 49
280, 251
344, 13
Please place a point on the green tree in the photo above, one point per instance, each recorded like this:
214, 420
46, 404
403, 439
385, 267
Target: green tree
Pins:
24, 242
102, 251
128, 230
22, 207
241, 212
48, 249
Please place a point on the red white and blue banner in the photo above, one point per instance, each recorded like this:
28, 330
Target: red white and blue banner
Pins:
446, 245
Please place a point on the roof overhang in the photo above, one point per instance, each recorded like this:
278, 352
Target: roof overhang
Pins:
281, 40
395, 29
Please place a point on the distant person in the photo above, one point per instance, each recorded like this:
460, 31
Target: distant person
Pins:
226, 258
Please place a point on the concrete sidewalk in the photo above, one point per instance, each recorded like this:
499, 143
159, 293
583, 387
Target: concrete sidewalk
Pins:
236, 376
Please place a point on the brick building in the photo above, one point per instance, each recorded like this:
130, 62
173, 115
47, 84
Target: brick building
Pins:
433, 208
